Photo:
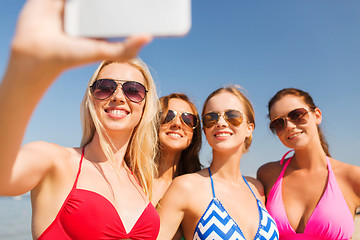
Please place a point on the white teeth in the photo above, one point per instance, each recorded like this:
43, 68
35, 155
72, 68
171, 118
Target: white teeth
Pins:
223, 135
295, 135
117, 112
174, 134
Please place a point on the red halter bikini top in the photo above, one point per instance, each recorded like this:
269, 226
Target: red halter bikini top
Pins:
88, 215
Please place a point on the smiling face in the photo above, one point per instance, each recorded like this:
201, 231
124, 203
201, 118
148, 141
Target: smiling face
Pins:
175, 135
118, 113
223, 136
296, 136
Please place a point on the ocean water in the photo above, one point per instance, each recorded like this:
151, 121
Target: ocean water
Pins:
15, 218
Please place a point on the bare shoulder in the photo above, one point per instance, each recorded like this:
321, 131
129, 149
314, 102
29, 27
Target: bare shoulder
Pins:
346, 171
41, 149
269, 172
256, 186
48, 157
34, 163
189, 182
183, 188
347, 177
254, 183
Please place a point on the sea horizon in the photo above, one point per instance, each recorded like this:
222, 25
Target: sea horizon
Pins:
15, 218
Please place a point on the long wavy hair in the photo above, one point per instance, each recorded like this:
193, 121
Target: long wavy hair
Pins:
305, 96
249, 110
142, 148
189, 160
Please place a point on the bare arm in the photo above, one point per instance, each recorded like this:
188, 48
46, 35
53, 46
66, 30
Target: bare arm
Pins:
267, 175
172, 208
40, 51
351, 186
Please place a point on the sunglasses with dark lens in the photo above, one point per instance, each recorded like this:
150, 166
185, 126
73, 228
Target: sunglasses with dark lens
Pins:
103, 88
189, 119
233, 117
297, 116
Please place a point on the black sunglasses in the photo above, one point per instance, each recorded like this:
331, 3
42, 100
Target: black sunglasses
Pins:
233, 117
103, 88
297, 116
189, 119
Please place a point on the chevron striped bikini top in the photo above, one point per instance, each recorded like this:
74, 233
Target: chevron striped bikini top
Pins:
216, 223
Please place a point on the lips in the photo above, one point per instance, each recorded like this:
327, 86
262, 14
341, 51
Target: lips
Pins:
294, 135
223, 134
174, 134
117, 113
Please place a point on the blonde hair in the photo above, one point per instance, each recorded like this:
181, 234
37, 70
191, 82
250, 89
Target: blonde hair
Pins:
249, 110
142, 148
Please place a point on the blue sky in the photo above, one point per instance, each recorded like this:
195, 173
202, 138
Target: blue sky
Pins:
263, 46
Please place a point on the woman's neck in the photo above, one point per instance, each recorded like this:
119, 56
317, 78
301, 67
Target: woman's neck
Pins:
167, 169
311, 158
95, 153
168, 164
227, 164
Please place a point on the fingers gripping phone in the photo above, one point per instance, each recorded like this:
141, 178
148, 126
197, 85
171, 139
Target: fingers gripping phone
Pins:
122, 18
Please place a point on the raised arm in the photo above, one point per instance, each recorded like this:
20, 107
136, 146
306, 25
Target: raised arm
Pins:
40, 51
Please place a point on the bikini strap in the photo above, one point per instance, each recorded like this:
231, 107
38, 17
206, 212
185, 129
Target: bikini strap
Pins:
331, 172
212, 184
249, 187
328, 163
286, 164
134, 177
80, 164
283, 158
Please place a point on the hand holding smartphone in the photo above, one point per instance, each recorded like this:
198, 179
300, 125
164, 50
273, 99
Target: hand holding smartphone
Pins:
122, 18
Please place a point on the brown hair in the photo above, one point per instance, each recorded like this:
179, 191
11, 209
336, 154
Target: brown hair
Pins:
189, 160
309, 101
249, 110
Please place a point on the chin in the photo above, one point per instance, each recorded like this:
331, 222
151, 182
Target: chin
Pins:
227, 147
174, 147
296, 146
112, 128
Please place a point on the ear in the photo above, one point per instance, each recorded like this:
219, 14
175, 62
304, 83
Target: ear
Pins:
250, 128
318, 116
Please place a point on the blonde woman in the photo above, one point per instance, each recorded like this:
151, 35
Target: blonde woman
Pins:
100, 190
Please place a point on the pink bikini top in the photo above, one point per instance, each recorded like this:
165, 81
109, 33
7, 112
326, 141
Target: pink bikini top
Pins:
331, 218
88, 215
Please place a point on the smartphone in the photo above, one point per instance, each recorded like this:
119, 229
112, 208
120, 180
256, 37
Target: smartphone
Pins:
122, 18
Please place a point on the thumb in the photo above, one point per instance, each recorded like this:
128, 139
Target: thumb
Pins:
125, 50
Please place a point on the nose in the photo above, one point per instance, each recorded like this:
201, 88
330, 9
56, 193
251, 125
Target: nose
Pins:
290, 124
176, 122
118, 95
222, 122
